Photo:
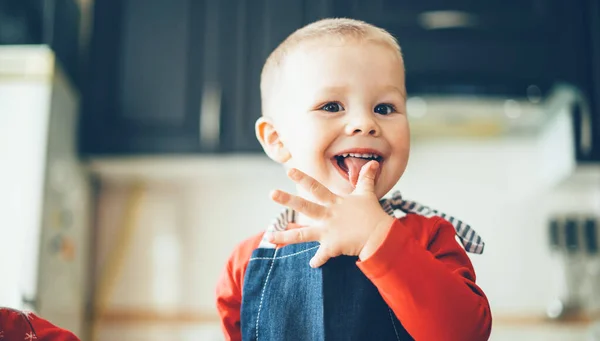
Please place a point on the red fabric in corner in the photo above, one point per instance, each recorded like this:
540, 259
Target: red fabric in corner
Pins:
16, 325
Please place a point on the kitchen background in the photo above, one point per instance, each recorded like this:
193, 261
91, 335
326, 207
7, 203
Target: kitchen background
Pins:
127, 136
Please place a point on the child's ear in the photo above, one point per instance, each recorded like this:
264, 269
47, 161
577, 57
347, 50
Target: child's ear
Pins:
270, 140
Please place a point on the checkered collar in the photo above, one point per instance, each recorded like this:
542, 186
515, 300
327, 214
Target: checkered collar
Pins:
470, 240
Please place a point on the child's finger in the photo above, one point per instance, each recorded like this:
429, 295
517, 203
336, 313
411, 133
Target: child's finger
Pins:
292, 226
299, 204
366, 177
320, 192
320, 258
295, 236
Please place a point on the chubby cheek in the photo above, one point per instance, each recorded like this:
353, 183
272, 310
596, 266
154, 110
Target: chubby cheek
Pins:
400, 159
309, 153
307, 156
400, 142
395, 166
393, 171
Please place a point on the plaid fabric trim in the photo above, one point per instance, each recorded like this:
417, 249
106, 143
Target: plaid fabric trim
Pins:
470, 240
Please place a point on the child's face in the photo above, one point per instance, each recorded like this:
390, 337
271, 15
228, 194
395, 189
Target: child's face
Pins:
335, 99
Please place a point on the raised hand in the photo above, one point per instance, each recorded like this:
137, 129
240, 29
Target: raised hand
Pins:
354, 225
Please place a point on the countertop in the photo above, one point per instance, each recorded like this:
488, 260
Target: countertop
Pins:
211, 332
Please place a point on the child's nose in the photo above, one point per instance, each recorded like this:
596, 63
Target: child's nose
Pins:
363, 124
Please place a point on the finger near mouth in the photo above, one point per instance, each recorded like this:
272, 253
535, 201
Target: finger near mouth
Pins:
339, 163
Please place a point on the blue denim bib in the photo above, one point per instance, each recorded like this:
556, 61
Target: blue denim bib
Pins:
283, 298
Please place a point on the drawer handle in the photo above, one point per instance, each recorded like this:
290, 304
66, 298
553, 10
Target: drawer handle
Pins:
210, 116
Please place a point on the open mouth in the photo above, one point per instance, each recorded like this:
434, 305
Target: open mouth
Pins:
349, 164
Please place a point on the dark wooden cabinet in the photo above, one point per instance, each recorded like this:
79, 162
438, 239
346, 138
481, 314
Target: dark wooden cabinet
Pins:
180, 76
261, 26
494, 47
183, 76
145, 88
154, 66
586, 117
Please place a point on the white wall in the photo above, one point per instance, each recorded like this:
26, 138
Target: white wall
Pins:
495, 185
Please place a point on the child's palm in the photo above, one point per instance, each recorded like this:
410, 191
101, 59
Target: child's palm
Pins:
345, 225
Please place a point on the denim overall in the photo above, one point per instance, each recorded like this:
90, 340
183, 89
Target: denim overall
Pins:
283, 298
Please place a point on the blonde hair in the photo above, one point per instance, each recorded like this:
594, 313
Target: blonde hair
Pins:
341, 28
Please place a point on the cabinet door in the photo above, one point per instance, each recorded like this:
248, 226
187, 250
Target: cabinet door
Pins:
587, 117
153, 70
158, 73
255, 28
180, 76
97, 131
146, 78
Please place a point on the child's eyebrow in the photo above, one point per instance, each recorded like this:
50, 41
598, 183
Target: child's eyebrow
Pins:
401, 92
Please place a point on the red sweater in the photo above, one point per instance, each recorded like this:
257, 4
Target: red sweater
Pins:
423, 274
20, 326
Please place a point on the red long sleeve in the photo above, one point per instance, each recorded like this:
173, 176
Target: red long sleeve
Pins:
229, 288
427, 279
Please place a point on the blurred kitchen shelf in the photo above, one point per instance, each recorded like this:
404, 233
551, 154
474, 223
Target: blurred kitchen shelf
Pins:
516, 327
171, 168
159, 332
531, 320
122, 317
542, 333
583, 176
187, 326
177, 317
212, 331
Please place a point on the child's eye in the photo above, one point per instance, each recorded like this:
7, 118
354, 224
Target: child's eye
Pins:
332, 107
384, 109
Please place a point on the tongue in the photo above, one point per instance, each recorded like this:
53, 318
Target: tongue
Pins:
354, 165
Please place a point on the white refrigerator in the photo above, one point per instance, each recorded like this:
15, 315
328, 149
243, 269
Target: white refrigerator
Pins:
44, 190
